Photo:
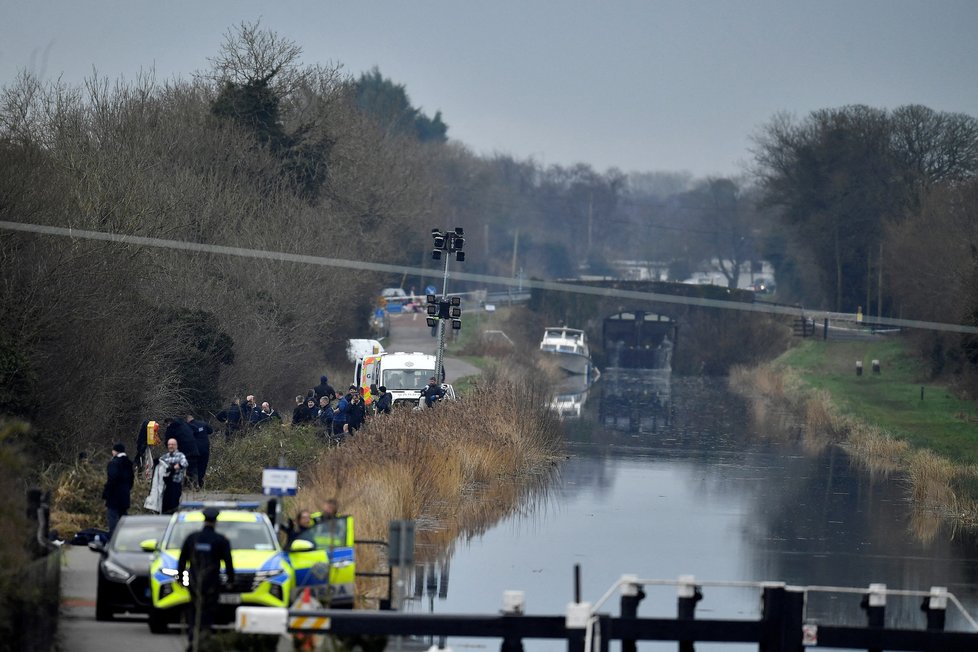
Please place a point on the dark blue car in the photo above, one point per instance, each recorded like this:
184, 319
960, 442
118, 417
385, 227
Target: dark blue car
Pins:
123, 570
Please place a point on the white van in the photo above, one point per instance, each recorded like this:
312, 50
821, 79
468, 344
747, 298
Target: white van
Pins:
403, 374
357, 349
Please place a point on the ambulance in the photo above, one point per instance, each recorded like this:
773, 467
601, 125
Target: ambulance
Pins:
403, 374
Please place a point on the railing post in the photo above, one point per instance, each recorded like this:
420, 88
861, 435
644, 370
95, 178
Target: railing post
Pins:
631, 595
935, 606
874, 603
793, 623
576, 621
514, 605
688, 595
772, 617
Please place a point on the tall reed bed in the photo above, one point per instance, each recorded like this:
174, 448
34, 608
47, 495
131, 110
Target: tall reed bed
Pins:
428, 464
455, 469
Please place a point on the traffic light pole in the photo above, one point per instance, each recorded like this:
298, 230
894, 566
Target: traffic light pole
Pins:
449, 243
440, 356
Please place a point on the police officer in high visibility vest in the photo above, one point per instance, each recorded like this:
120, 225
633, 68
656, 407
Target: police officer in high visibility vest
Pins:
328, 529
330, 509
204, 551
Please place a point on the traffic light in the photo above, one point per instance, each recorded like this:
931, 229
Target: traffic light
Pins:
440, 239
448, 241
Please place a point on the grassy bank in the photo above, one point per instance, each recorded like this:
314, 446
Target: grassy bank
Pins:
894, 422
898, 400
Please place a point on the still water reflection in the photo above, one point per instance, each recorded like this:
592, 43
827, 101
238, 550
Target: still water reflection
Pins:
670, 477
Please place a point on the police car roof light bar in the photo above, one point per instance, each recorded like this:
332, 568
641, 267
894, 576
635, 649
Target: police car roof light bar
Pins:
225, 504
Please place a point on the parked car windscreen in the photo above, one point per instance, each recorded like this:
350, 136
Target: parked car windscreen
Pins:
129, 533
243, 535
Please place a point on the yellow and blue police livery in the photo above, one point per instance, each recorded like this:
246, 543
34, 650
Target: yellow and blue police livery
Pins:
263, 573
329, 568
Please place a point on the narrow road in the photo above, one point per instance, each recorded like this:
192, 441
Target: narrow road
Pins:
78, 629
409, 332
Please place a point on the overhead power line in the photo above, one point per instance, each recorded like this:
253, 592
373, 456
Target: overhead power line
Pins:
556, 286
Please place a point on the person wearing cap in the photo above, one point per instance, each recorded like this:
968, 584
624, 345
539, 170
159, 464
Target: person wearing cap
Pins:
118, 486
203, 551
384, 401
324, 389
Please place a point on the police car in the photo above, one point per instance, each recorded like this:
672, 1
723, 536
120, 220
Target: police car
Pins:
264, 573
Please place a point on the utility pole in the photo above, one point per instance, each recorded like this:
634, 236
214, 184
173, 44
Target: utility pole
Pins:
516, 247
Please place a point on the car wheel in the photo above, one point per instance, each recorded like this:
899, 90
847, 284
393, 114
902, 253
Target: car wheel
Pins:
158, 622
103, 611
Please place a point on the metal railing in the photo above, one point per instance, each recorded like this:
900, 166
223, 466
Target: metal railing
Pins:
783, 626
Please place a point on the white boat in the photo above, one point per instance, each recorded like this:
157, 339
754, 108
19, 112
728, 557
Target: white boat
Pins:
570, 395
569, 347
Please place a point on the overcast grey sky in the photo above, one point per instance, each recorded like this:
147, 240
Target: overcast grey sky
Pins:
653, 85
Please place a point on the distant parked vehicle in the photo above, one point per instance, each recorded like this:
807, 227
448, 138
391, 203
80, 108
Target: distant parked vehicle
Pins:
763, 286
395, 300
357, 349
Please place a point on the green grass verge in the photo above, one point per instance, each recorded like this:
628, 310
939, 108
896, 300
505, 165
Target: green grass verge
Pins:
892, 400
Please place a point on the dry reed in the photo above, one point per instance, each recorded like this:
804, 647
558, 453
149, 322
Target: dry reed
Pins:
455, 469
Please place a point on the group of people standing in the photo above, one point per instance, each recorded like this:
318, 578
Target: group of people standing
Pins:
187, 440
346, 415
241, 415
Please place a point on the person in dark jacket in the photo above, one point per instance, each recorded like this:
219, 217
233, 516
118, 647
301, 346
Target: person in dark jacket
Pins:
267, 414
203, 551
181, 430
432, 392
303, 521
202, 436
118, 486
341, 413
250, 410
232, 417
324, 389
299, 413
324, 415
384, 401
358, 411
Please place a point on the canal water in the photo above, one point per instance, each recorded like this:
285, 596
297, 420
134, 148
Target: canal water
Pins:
676, 476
